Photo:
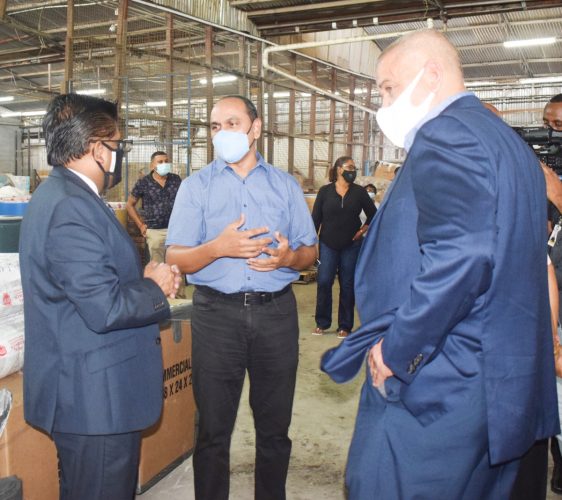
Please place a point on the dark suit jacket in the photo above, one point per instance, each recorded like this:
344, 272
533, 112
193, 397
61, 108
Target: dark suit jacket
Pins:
93, 362
453, 275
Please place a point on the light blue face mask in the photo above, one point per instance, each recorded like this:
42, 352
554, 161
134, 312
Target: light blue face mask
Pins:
231, 146
163, 169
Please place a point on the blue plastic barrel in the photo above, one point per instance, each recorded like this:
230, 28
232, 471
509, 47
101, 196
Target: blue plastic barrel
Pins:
9, 234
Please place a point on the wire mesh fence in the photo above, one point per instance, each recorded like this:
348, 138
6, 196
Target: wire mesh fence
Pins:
167, 70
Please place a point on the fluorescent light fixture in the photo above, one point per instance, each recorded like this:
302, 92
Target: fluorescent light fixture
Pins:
277, 95
7, 98
360, 91
482, 83
91, 91
155, 104
529, 43
544, 79
12, 114
220, 79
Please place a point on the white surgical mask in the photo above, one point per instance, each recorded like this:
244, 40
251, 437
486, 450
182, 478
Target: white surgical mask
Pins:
163, 169
231, 146
402, 116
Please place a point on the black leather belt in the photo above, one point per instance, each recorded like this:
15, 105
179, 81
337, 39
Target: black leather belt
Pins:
244, 298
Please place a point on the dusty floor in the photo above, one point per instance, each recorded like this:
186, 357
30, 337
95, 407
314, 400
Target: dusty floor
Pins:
323, 419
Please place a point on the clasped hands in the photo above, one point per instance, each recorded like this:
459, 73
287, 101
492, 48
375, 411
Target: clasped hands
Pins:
167, 277
233, 242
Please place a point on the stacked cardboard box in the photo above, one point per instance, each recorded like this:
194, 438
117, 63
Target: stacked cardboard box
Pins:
26, 452
171, 440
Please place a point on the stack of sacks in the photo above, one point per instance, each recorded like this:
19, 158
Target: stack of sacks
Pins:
14, 194
11, 315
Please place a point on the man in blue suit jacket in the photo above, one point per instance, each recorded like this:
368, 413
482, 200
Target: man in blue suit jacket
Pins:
93, 362
451, 289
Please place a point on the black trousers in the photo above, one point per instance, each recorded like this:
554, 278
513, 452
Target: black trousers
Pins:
228, 340
530, 483
98, 467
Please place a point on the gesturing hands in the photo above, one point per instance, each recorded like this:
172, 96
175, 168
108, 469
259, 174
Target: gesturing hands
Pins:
234, 243
168, 278
279, 257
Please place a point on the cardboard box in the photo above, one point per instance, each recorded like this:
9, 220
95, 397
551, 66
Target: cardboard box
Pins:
27, 452
171, 440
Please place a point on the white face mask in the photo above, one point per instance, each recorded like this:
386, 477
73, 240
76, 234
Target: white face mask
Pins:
402, 116
163, 169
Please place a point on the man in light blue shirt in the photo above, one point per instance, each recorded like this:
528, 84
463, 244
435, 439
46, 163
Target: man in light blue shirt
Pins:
241, 230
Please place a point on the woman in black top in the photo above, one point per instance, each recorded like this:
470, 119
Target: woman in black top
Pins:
336, 215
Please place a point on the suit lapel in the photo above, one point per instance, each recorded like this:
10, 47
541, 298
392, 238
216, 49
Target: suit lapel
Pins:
373, 228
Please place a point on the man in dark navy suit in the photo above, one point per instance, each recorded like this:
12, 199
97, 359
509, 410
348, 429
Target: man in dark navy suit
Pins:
93, 362
456, 325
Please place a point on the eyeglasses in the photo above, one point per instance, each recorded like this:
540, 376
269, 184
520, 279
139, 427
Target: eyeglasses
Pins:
124, 145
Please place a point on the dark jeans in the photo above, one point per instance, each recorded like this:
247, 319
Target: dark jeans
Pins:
98, 467
342, 263
228, 340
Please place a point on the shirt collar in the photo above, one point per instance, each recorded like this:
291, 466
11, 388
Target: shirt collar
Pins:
430, 115
221, 164
91, 184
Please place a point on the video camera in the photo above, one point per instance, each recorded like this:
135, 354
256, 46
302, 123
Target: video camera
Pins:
546, 143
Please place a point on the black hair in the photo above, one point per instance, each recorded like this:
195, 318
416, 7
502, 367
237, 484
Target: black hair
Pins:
157, 153
72, 122
372, 186
250, 106
333, 174
556, 99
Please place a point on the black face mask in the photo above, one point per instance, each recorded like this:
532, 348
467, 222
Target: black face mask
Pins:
348, 176
111, 179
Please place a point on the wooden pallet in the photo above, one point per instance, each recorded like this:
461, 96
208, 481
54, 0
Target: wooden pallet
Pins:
307, 276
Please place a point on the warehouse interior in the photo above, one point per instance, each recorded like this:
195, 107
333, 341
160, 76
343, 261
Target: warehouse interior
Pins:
167, 61
309, 66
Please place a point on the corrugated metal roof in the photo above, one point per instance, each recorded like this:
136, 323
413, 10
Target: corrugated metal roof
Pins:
479, 40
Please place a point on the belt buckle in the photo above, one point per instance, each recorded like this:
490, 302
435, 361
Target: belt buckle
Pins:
246, 297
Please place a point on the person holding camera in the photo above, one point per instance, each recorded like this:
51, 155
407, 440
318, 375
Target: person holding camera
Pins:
552, 117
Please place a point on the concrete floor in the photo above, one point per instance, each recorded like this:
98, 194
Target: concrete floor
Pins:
323, 419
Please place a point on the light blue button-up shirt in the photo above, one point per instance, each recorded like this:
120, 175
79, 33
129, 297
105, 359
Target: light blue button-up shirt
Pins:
216, 196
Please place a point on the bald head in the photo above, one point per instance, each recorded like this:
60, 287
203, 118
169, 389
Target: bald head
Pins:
420, 46
426, 50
